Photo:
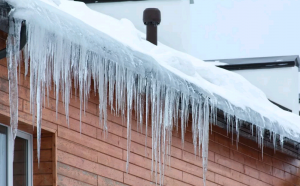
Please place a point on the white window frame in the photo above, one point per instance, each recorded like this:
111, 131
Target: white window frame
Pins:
27, 137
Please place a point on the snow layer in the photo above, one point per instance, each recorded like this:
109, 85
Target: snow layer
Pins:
68, 41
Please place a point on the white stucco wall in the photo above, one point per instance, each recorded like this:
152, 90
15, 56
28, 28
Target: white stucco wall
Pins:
281, 85
174, 29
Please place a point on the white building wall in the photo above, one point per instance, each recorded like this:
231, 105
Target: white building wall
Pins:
174, 29
281, 85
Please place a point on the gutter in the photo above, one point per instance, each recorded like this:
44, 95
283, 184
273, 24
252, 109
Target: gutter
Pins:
4, 27
258, 62
258, 65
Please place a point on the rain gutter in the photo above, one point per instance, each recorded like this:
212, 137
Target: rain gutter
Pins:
4, 27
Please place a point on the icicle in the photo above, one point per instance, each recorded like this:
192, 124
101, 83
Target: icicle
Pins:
274, 141
281, 141
129, 101
147, 113
39, 120
205, 140
13, 54
13, 60
237, 128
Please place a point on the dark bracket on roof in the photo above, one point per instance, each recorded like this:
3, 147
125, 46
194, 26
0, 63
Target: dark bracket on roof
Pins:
258, 62
280, 106
258, 66
4, 26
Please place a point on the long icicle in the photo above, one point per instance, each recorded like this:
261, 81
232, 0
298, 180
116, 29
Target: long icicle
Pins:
13, 43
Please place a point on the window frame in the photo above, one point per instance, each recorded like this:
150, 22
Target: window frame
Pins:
29, 138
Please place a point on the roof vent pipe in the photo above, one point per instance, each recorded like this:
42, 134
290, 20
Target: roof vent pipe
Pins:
151, 19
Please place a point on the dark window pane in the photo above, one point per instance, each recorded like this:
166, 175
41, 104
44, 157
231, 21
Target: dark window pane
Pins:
3, 155
20, 174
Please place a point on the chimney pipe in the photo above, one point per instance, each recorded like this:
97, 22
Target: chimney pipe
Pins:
151, 19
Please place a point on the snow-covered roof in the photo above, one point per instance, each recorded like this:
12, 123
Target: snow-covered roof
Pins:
68, 40
234, 94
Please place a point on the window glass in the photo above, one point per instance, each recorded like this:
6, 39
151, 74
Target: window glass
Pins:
3, 155
20, 173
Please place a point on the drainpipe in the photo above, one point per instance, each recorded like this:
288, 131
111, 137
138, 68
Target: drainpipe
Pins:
4, 26
151, 19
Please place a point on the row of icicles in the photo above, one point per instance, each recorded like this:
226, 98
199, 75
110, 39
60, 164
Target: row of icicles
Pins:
56, 62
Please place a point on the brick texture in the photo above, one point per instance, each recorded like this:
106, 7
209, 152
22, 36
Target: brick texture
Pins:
91, 158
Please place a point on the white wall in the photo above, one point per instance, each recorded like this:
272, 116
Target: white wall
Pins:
174, 29
281, 85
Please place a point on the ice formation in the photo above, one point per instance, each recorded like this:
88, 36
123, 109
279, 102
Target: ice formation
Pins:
70, 45
13, 51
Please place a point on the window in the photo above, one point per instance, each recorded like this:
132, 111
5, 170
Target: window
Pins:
21, 172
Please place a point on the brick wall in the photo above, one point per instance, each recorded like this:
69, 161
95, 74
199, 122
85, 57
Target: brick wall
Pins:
89, 159
43, 175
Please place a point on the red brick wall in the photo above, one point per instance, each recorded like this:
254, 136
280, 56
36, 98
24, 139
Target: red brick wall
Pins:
89, 159
43, 175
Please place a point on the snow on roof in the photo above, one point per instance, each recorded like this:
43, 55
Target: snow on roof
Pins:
226, 87
68, 40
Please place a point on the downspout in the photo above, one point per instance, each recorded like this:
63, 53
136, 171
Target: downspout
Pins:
4, 26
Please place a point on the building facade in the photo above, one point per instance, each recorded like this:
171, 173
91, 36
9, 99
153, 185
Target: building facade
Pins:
70, 156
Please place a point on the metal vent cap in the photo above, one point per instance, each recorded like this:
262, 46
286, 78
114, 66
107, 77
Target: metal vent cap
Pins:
151, 16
